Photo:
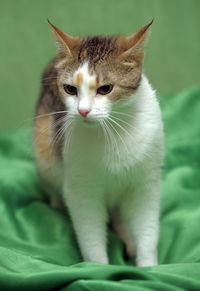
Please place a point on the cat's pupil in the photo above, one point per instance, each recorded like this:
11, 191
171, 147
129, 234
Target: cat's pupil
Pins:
105, 89
70, 89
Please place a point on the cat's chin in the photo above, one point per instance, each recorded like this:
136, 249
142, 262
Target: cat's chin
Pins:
90, 123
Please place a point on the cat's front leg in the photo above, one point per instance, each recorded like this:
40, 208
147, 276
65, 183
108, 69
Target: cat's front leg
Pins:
142, 217
89, 217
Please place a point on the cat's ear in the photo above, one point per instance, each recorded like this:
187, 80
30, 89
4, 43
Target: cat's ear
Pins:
133, 45
65, 42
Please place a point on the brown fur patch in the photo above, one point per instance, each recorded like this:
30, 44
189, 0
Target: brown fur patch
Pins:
43, 136
93, 84
79, 79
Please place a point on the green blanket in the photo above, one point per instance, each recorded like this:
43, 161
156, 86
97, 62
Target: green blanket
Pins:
38, 249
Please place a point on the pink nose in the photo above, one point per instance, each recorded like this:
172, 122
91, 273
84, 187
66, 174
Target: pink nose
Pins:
84, 112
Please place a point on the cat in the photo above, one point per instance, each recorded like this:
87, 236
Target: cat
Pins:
98, 141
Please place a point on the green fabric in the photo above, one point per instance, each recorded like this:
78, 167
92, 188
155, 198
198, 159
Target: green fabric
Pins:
38, 250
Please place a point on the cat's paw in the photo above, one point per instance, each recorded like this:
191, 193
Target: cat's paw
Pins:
147, 262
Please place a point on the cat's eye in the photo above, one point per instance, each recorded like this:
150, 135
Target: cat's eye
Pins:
105, 89
71, 90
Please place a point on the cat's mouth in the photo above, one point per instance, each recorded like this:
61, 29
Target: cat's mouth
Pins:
88, 122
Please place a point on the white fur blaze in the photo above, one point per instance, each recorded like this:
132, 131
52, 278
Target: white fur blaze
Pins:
86, 93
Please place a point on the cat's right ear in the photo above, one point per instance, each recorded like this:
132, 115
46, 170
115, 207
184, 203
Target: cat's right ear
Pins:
65, 42
133, 46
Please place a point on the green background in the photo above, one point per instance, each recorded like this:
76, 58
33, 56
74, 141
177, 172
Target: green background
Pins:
172, 59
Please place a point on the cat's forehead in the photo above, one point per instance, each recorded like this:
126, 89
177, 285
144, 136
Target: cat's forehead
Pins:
96, 49
92, 57
84, 77
91, 60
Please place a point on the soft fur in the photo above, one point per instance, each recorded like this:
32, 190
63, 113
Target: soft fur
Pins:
106, 164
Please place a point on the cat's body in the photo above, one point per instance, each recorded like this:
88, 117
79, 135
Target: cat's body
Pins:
106, 163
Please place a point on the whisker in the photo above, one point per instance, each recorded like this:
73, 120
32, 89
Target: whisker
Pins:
121, 113
106, 135
68, 137
129, 115
113, 141
103, 128
35, 138
51, 125
43, 115
121, 127
58, 135
113, 137
125, 146
115, 148
51, 113
123, 121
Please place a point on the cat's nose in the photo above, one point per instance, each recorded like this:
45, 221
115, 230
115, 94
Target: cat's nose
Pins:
84, 112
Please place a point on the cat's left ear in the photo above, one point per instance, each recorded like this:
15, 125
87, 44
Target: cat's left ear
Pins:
67, 44
133, 45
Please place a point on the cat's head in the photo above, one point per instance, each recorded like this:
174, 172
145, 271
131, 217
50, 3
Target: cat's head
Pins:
94, 74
